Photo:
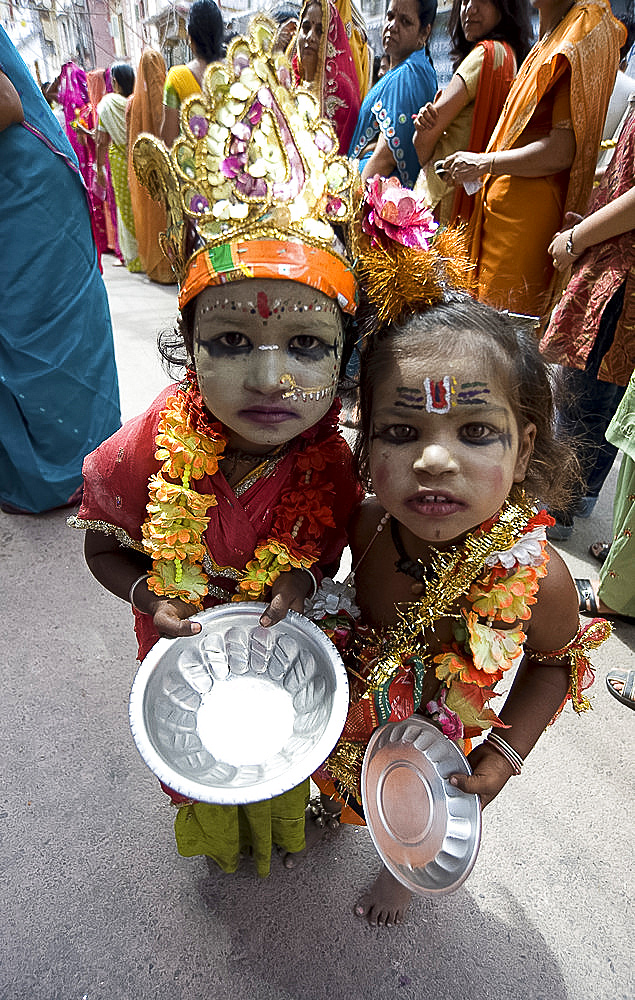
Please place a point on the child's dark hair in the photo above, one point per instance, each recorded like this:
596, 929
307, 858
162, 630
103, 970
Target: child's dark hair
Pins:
512, 351
123, 74
176, 346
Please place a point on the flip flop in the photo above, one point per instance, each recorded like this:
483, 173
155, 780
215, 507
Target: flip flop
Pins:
589, 604
600, 550
627, 679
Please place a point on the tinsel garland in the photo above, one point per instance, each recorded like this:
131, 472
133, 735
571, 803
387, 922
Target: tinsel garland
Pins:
399, 279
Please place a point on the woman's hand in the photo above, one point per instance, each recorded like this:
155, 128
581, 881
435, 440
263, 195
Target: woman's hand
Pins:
426, 118
289, 591
560, 256
467, 167
490, 772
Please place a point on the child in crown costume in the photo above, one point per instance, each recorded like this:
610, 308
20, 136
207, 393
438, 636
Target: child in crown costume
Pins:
236, 484
456, 441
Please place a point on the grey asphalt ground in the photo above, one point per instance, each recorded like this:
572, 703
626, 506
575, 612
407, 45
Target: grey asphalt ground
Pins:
97, 904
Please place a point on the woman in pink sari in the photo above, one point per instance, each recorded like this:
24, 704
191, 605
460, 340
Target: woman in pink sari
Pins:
79, 114
323, 60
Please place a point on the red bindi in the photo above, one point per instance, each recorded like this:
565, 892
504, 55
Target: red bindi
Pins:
263, 305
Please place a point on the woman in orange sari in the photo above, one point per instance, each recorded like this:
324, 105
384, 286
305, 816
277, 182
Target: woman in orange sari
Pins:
143, 114
540, 161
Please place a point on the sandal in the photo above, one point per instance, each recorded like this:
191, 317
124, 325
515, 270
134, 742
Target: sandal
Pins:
600, 550
589, 604
627, 679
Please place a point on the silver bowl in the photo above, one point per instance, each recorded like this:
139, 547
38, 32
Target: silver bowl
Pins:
426, 831
239, 713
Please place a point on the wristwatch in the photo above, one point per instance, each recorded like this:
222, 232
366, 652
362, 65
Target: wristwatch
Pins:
569, 246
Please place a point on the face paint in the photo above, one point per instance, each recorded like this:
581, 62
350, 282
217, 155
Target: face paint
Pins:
267, 359
441, 395
445, 450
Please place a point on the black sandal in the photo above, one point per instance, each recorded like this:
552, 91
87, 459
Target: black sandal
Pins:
599, 551
589, 604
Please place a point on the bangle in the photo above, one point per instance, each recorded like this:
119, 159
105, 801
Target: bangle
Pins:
132, 590
314, 582
569, 246
513, 758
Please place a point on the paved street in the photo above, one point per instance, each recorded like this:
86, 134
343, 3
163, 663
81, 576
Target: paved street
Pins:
99, 906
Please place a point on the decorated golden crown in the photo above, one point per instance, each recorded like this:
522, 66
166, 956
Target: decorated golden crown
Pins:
254, 186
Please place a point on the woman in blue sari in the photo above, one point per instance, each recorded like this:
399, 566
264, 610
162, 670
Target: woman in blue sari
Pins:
382, 141
59, 395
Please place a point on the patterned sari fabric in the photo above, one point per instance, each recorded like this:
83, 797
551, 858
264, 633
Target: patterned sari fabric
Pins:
388, 109
565, 82
115, 498
112, 119
59, 395
596, 276
143, 114
336, 80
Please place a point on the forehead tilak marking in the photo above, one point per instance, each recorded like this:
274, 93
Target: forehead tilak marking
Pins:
440, 395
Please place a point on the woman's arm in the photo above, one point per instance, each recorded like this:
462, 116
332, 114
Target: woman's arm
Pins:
611, 220
102, 140
433, 119
11, 111
541, 158
381, 162
170, 125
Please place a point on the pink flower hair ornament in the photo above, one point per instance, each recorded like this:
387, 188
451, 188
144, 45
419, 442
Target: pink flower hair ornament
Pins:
391, 212
405, 260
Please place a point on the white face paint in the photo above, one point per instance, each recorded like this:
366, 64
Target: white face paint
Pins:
249, 335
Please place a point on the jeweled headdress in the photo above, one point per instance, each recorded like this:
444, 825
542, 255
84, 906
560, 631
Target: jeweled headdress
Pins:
254, 185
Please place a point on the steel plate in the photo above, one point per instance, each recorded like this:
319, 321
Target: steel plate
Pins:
239, 713
426, 831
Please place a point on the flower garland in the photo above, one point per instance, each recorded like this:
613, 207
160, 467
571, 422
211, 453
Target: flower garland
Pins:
496, 571
189, 447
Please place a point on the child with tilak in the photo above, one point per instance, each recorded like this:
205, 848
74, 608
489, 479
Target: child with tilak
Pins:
236, 484
456, 443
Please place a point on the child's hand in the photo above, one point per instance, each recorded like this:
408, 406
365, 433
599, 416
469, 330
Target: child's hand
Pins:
490, 771
289, 591
171, 619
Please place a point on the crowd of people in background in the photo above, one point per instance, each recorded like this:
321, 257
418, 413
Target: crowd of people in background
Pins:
510, 149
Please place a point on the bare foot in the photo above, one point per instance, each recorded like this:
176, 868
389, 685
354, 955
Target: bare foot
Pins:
386, 902
319, 824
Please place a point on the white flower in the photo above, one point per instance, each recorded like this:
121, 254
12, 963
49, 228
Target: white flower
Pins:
527, 551
330, 599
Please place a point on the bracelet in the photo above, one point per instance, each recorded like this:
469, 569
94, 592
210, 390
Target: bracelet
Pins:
512, 757
132, 590
313, 581
569, 246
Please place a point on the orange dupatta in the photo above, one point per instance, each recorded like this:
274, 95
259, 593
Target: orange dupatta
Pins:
493, 88
144, 115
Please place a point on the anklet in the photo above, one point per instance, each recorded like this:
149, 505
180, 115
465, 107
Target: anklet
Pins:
512, 757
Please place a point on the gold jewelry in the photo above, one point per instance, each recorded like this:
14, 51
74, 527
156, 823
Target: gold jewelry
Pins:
304, 393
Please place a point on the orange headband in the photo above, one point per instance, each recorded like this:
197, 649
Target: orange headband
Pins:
295, 261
